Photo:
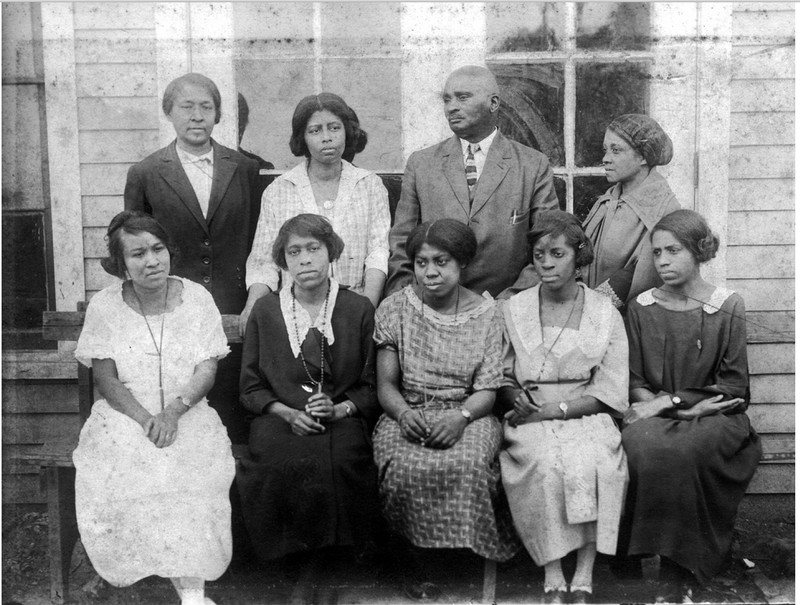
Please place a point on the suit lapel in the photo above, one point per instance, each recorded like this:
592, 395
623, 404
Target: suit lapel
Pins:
175, 176
224, 168
493, 173
453, 169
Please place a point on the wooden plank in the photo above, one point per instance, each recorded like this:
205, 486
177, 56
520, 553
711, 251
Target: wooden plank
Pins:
762, 129
114, 15
39, 428
117, 146
116, 79
96, 277
758, 261
772, 417
98, 210
770, 326
761, 194
773, 479
757, 95
25, 397
773, 227
777, 448
26, 370
760, 294
22, 489
115, 46
762, 62
772, 388
118, 113
94, 244
766, 25
103, 179
745, 7
19, 459
770, 358
768, 161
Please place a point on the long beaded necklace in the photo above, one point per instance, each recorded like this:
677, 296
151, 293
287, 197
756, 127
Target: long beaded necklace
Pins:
160, 346
316, 383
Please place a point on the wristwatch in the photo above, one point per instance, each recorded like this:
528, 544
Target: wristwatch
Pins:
348, 410
564, 409
676, 401
185, 401
466, 414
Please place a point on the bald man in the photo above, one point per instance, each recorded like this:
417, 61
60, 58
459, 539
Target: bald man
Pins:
493, 184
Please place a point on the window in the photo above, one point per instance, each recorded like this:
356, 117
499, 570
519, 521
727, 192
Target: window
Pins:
565, 70
27, 268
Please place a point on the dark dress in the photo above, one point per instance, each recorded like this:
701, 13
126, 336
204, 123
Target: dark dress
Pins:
687, 477
301, 493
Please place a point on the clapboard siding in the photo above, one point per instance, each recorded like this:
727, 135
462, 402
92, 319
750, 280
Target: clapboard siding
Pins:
750, 128
118, 113
772, 417
775, 358
103, 179
22, 489
760, 194
763, 23
116, 146
29, 397
773, 479
114, 15
750, 96
96, 277
768, 227
114, 46
760, 261
94, 244
763, 62
116, 79
763, 161
98, 210
765, 294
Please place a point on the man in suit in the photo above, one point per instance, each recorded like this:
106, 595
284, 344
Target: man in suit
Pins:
493, 184
206, 197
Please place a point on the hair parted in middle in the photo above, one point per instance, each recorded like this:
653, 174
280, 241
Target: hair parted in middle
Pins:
447, 234
192, 79
692, 231
132, 222
307, 225
355, 138
558, 222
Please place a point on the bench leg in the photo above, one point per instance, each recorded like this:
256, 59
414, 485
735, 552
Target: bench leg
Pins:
489, 580
63, 528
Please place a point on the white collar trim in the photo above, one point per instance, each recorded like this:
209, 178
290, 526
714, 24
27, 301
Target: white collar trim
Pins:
304, 321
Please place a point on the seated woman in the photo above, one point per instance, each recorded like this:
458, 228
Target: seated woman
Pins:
326, 131
620, 222
436, 444
691, 449
154, 464
565, 377
308, 373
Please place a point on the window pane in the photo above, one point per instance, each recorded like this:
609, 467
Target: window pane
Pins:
586, 190
357, 28
532, 106
524, 26
614, 25
605, 91
560, 184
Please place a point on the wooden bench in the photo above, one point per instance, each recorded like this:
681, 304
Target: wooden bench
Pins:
58, 472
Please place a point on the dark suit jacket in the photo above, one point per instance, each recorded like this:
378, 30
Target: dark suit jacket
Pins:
214, 249
515, 185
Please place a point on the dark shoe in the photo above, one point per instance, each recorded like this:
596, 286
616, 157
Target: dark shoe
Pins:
673, 592
556, 596
421, 591
580, 596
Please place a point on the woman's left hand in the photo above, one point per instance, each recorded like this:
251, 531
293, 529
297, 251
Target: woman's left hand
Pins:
446, 432
641, 410
320, 407
162, 429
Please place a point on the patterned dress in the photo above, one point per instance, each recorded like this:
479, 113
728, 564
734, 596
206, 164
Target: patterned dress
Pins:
449, 498
144, 510
688, 476
566, 479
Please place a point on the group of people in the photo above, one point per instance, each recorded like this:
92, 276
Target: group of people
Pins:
460, 378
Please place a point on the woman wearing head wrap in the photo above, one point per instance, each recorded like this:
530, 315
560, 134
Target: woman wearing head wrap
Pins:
620, 222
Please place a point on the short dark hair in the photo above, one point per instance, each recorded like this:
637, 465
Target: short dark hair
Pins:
174, 87
132, 223
447, 234
355, 138
558, 222
692, 231
306, 225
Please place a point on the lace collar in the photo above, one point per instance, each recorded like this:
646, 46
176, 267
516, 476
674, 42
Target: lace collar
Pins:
304, 321
447, 320
715, 301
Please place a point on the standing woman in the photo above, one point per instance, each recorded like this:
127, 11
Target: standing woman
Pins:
691, 449
436, 444
308, 374
621, 221
565, 378
154, 464
326, 131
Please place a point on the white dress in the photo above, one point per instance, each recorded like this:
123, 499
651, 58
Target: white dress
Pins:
143, 510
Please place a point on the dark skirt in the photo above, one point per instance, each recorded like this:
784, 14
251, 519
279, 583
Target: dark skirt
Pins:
304, 493
686, 481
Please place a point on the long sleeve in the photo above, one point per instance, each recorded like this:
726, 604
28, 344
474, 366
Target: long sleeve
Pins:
364, 394
406, 217
379, 225
135, 198
254, 389
637, 378
260, 269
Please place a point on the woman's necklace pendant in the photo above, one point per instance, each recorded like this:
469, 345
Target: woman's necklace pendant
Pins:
307, 388
327, 204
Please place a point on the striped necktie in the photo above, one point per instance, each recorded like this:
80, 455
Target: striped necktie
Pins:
471, 169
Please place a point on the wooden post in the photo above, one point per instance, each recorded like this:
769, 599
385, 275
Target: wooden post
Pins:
63, 528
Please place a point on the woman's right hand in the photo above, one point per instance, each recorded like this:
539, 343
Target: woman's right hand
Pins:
413, 425
524, 406
304, 425
709, 407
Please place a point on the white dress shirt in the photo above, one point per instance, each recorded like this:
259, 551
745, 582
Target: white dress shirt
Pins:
200, 171
480, 155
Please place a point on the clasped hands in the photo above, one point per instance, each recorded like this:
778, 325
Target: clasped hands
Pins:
162, 429
442, 434
642, 410
527, 409
319, 408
